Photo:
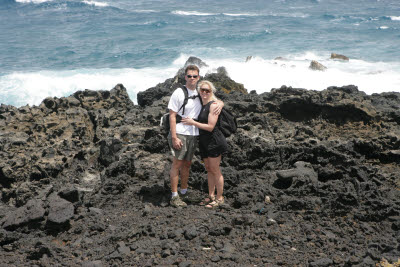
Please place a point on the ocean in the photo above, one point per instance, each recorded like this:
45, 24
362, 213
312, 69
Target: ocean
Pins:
56, 47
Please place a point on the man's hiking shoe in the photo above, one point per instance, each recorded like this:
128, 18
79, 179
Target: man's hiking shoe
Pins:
177, 202
191, 197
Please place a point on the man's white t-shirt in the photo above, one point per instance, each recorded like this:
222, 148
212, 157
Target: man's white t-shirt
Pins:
192, 110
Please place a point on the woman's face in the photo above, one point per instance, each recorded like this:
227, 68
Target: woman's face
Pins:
205, 91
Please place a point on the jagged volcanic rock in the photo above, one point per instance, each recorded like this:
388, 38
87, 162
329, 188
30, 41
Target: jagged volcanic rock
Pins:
312, 179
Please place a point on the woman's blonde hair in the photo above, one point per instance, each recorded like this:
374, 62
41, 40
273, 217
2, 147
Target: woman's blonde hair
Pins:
210, 84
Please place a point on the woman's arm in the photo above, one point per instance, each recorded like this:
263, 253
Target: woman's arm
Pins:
212, 120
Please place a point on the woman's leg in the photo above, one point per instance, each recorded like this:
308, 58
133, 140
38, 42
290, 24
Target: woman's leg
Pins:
210, 178
215, 171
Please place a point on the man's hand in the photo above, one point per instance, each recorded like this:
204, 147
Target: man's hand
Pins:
219, 105
177, 143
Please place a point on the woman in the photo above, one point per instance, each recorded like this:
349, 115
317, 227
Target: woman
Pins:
212, 143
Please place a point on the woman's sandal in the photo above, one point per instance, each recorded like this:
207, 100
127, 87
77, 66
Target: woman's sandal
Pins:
215, 203
207, 200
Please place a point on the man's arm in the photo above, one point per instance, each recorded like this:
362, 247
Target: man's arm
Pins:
176, 142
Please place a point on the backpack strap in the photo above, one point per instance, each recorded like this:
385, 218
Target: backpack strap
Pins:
185, 91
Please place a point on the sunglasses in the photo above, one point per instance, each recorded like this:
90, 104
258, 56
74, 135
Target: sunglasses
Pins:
205, 90
190, 76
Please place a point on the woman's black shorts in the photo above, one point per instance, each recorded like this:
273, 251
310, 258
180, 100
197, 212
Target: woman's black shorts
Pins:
212, 145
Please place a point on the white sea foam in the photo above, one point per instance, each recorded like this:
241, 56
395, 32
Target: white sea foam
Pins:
20, 89
192, 13
196, 13
240, 14
95, 3
383, 27
395, 17
290, 15
33, 1
145, 11
262, 75
257, 74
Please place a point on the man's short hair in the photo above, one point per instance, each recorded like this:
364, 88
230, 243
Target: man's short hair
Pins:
192, 67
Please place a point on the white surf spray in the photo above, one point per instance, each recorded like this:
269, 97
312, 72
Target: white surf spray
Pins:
20, 89
257, 74
293, 70
95, 3
33, 1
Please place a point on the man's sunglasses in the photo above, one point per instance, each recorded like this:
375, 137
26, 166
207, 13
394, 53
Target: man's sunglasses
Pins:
190, 76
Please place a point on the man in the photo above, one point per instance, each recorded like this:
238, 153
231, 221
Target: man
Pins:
183, 138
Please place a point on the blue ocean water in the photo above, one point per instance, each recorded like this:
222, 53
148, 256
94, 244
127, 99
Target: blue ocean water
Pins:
55, 47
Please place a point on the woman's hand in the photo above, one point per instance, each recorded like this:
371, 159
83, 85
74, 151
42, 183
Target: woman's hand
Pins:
188, 121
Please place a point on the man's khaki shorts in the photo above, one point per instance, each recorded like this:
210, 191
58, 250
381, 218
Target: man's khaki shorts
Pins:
189, 145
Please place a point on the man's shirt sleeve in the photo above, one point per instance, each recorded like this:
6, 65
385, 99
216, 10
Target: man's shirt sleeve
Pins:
176, 100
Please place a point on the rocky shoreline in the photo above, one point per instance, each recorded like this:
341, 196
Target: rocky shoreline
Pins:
312, 179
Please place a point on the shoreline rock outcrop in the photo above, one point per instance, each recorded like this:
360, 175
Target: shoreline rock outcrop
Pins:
312, 179
315, 65
340, 57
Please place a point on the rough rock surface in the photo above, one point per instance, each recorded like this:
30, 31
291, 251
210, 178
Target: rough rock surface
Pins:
312, 179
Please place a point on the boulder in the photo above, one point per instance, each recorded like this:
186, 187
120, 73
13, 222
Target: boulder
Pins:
60, 210
338, 56
315, 65
33, 211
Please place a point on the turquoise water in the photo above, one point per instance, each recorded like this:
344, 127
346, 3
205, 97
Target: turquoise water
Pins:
55, 47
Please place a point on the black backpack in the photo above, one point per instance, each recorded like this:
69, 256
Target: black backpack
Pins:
227, 122
164, 122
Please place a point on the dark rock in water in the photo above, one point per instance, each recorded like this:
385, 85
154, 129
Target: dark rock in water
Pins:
315, 65
338, 56
195, 61
146, 98
312, 178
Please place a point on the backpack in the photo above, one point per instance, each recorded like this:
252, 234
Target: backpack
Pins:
227, 122
164, 122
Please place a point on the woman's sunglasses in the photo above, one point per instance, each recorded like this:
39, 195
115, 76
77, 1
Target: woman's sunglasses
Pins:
205, 90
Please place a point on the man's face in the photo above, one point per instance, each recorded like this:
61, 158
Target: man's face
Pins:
192, 77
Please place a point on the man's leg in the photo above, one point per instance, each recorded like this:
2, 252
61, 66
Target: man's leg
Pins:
185, 169
174, 177
174, 174
191, 145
